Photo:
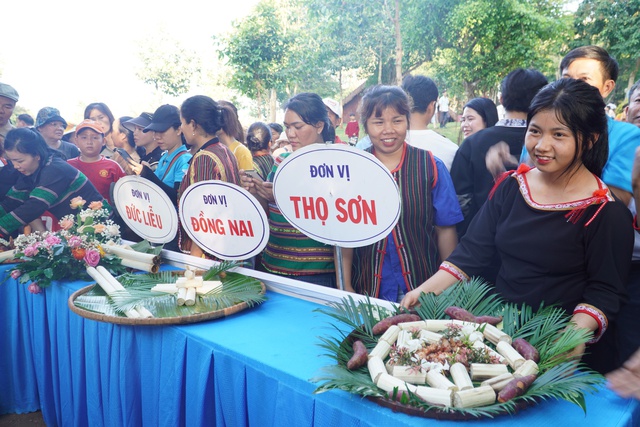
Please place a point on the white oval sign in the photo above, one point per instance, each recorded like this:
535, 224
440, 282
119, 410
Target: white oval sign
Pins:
337, 194
146, 209
224, 220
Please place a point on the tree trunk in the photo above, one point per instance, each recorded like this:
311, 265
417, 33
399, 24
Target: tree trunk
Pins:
380, 66
632, 75
396, 24
272, 106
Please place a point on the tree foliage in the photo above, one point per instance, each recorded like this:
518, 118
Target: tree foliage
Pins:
167, 65
613, 25
489, 38
254, 50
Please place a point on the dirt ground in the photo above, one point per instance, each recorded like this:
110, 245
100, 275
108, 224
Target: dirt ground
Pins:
32, 419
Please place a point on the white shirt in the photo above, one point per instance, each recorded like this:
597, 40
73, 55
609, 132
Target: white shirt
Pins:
440, 146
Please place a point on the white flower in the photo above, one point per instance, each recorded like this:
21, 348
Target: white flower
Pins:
413, 345
476, 336
112, 230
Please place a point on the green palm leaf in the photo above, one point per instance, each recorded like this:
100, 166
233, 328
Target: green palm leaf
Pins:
474, 296
235, 289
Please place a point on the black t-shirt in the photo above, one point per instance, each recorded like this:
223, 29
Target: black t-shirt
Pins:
152, 158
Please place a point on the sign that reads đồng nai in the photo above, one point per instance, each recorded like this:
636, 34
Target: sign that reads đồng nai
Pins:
146, 209
224, 220
337, 194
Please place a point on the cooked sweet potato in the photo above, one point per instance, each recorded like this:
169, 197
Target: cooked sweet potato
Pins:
382, 326
526, 350
459, 314
462, 314
516, 387
492, 320
359, 357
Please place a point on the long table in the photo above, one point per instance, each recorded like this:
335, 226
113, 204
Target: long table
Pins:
252, 368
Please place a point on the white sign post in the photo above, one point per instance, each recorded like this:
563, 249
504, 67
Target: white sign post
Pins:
338, 195
146, 209
224, 219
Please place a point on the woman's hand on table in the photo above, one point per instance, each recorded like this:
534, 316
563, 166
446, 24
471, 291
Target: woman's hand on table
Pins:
436, 284
626, 380
410, 299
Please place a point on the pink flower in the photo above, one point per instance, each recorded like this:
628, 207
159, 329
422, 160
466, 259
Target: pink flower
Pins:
74, 242
92, 257
99, 228
15, 274
31, 250
94, 206
34, 288
66, 224
52, 239
77, 202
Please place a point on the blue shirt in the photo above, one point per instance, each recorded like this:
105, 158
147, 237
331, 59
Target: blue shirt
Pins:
623, 140
178, 169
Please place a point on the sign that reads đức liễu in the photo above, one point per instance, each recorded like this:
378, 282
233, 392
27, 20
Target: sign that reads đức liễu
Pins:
146, 209
338, 195
224, 220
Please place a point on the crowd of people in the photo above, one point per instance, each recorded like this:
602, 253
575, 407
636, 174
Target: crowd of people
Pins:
540, 203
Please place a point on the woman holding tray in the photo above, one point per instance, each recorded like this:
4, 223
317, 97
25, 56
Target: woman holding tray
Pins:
425, 233
47, 183
290, 253
562, 237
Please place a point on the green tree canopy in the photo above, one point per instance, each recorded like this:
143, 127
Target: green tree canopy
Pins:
167, 65
490, 38
614, 25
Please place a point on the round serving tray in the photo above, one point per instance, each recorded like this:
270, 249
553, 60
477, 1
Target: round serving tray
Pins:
437, 414
177, 320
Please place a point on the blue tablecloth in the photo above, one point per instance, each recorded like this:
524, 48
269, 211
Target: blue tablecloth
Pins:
252, 368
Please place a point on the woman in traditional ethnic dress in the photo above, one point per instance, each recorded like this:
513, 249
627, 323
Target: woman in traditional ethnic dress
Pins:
201, 119
290, 253
562, 237
45, 186
425, 233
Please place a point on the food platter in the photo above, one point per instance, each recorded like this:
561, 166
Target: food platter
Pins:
238, 293
557, 374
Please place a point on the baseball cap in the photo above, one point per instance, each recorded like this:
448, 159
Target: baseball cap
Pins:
8, 92
48, 115
143, 120
165, 117
89, 124
334, 106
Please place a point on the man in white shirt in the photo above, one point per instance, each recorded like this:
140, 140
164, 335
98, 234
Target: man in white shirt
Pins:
443, 106
424, 93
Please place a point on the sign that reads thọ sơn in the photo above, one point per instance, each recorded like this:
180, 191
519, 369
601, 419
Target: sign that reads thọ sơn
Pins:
337, 194
224, 220
146, 209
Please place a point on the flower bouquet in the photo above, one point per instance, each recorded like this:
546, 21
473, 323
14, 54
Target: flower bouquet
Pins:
65, 254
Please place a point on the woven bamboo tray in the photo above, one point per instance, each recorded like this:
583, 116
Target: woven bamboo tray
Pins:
176, 320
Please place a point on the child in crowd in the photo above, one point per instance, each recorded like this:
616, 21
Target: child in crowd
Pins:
102, 172
352, 130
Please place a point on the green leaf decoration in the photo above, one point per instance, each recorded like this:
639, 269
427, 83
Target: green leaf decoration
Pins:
548, 329
146, 247
214, 272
